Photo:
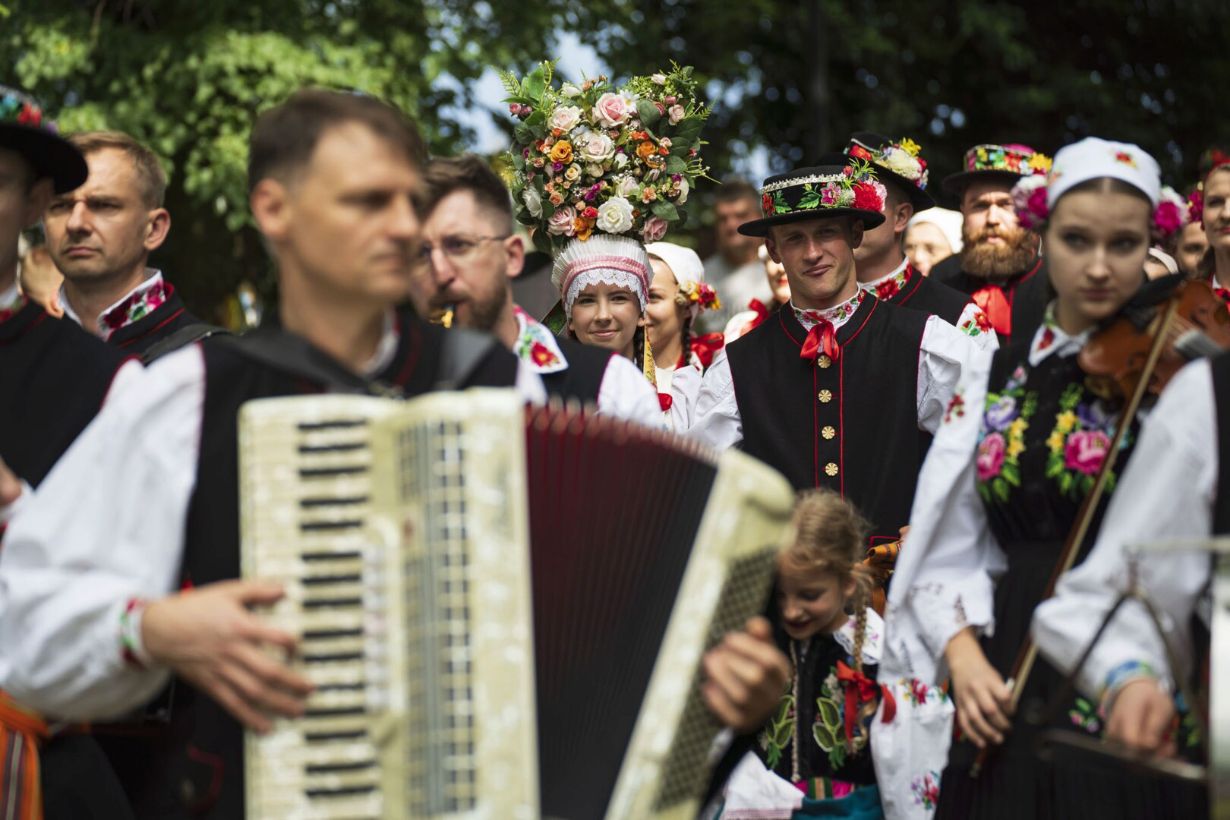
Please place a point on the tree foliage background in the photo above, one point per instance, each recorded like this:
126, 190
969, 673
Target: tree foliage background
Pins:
794, 78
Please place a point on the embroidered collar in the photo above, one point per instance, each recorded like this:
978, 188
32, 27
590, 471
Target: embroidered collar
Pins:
536, 344
873, 639
890, 284
836, 316
134, 306
1050, 339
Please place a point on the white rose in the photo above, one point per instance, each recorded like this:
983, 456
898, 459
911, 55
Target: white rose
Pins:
627, 186
683, 191
621, 161
615, 215
533, 202
595, 146
566, 117
594, 170
676, 114
900, 162
569, 90
659, 78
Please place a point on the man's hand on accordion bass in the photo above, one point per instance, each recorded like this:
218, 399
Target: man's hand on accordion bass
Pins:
745, 677
209, 637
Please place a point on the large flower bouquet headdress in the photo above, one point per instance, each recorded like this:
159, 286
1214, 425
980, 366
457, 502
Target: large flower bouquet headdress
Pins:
595, 158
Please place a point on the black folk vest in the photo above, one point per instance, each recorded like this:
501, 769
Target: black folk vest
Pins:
850, 424
582, 379
194, 767
930, 296
1028, 293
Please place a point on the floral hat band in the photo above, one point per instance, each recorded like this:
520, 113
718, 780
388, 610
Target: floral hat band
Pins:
1007, 162
900, 162
823, 191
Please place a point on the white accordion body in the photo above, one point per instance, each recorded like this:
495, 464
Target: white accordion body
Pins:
401, 533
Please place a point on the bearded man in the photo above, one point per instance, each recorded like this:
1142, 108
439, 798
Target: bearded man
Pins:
1000, 265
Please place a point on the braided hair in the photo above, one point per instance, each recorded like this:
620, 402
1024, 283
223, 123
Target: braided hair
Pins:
831, 536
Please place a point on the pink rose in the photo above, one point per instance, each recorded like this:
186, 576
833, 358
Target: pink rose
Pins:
655, 229
676, 114
611, 110
1085, 450
562, 222
990, 456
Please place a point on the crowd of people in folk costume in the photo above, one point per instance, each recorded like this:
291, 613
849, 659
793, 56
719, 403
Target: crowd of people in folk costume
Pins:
910, 370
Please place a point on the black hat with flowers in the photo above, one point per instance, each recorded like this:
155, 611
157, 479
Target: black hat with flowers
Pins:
896, 163
24, 129
835, 187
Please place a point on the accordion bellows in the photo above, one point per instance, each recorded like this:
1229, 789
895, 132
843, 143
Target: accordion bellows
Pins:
503, 610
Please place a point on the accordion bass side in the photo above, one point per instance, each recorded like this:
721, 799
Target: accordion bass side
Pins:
503, 610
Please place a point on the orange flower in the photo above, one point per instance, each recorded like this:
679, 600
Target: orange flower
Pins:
584, 228
646, 150
649, 194
561, 152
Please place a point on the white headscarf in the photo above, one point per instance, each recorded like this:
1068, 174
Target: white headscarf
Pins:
684, 263
949, 223
611, 260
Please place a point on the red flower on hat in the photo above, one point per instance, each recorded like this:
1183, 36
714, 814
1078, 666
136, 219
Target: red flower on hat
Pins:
866, 198
1125, 158
766, 205
29, 115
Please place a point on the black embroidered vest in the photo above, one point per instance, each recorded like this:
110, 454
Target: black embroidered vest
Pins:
850, 424
929, 296
1221, 398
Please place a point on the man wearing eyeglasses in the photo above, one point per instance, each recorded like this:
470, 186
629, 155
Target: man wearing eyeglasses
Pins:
469, 257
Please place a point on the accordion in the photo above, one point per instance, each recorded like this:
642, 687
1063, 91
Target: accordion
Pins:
503, 610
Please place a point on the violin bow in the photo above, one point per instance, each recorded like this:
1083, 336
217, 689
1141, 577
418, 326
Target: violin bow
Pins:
1028, 653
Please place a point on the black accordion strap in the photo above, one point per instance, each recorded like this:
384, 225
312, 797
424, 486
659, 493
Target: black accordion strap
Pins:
294, 355
183, 337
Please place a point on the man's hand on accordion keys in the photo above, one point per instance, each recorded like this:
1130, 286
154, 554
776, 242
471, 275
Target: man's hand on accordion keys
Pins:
209, 637
745, 677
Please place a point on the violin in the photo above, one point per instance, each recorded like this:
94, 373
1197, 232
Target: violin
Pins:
1197, 324
880, 559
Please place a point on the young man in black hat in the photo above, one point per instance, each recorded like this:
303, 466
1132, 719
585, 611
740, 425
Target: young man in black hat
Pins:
838, 389
1000, 265
881, 264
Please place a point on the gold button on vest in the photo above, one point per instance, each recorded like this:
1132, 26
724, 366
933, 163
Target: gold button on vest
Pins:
830, 469
828, 432
826, 396
823, 361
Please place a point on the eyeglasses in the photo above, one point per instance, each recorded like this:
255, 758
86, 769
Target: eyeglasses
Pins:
457, 248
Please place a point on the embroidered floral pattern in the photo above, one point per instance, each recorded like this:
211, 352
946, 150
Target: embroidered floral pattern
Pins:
828, 729
1079, 442
890, 285
977, 324
917, 692
536, 346
955, 408
1085, 716
776, 736
1002, 439
836, 316
926, 789
139, 304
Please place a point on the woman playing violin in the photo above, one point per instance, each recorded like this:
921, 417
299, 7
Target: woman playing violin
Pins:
1020, 448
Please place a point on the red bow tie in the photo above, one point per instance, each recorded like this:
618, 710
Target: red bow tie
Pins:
997, 308
822, 338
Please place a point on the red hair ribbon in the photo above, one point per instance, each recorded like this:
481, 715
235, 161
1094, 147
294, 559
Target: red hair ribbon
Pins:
861, 689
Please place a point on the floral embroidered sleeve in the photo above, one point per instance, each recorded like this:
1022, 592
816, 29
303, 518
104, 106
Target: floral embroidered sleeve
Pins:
975, 323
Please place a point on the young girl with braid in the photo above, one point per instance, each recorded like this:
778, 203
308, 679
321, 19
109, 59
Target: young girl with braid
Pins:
818, 739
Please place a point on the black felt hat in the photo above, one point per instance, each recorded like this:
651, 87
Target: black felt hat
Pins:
23, 129
896, 163
833, 188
